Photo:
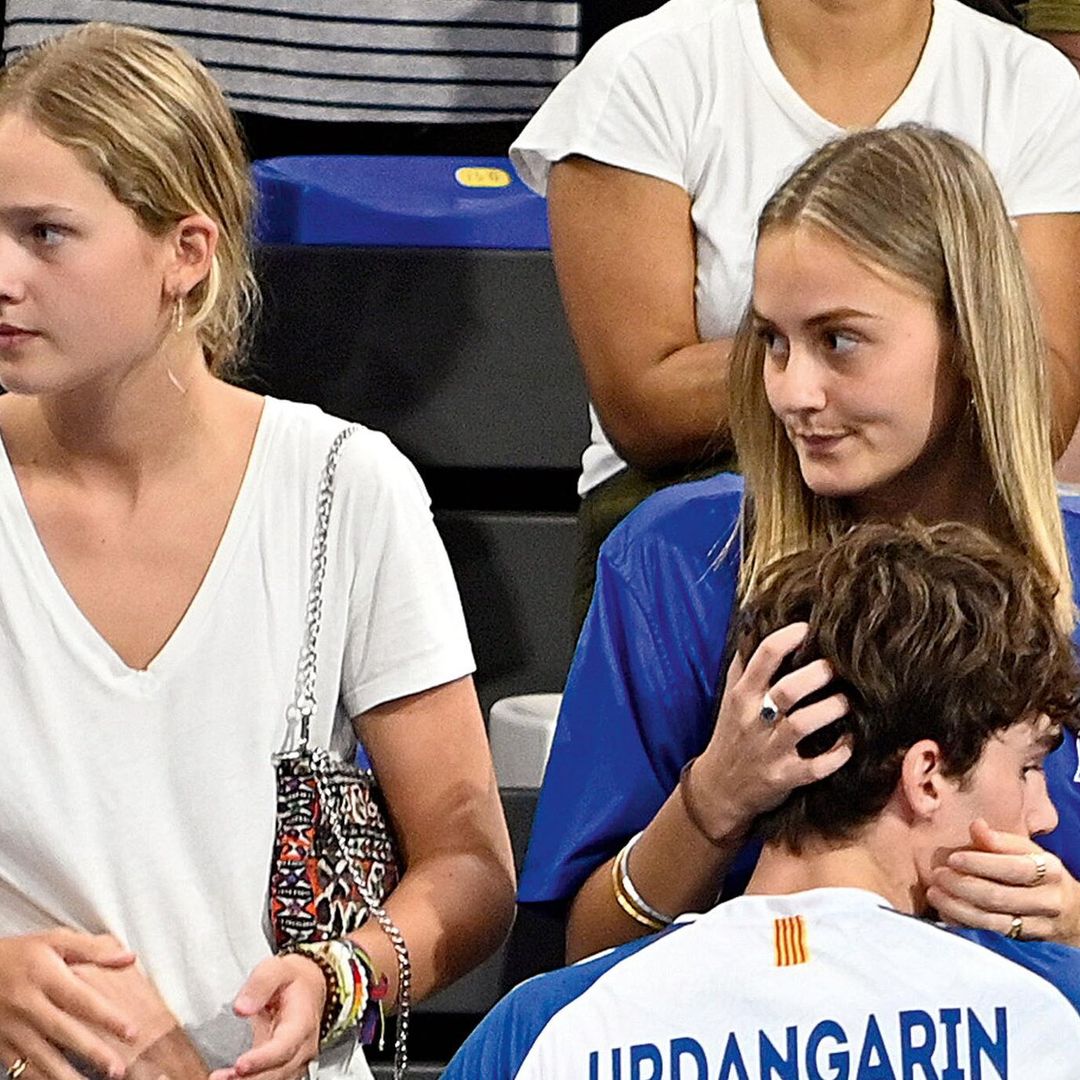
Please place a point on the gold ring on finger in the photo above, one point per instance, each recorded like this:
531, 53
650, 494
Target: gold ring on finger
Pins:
1039, 859
1016, 927
17, 1068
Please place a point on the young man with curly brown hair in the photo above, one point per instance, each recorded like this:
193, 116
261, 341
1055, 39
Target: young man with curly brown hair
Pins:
958, 683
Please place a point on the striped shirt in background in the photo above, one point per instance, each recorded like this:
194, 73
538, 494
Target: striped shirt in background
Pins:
419, 61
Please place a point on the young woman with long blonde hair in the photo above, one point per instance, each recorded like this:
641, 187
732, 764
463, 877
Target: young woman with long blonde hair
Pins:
890, 365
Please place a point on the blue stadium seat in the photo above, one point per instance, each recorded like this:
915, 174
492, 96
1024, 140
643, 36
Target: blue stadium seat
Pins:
398, 202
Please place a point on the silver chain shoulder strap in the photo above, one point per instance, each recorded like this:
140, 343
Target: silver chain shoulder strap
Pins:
303, 709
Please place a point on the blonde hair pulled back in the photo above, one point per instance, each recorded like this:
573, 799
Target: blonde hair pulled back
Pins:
923, 205
145, 116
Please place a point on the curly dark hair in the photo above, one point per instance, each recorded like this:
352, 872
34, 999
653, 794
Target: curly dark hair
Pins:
934, 632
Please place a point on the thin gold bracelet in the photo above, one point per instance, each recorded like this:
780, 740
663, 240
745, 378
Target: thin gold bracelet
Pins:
627, 896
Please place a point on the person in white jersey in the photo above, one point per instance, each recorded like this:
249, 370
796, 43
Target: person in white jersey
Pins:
157, 525
959, 682
658, 152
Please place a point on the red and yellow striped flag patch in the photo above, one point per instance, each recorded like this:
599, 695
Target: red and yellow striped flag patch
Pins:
789, 938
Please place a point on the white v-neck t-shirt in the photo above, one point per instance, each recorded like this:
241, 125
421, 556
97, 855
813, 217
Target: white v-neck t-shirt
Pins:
141, 802
691, 94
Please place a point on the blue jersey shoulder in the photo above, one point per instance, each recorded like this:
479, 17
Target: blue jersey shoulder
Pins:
1070, 518
499, 1046
1058, 964
696, 517
1063, 765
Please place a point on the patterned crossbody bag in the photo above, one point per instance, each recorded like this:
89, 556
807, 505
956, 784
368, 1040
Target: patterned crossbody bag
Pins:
335, 859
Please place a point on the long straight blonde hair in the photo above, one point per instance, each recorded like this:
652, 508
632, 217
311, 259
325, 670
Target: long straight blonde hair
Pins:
923, 205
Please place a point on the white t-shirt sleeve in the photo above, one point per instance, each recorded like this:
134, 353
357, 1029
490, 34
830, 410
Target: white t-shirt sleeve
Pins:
406, 629
1044, 177
630, 107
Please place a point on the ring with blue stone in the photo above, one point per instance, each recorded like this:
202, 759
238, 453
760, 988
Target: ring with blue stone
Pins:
769, 712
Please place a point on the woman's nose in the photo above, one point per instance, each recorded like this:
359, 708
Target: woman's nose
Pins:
12, 278
799, 386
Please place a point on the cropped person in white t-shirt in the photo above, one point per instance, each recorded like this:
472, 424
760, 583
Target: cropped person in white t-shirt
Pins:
658, 152
157, 525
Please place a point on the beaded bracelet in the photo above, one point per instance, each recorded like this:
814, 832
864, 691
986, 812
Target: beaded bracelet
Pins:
369, 1018
354, 995
334, 1002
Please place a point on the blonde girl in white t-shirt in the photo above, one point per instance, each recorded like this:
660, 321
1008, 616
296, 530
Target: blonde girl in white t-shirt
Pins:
157, 522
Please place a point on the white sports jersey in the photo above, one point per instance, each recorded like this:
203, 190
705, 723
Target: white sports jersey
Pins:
831, 984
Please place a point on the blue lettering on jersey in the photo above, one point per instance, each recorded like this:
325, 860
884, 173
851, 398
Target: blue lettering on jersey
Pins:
732, 1067
616, 1064
839, 1060
646, 1054
950, 1021
874, 1061
683, 1048
828, 1047
918, 1050
786, 1067
979, 1043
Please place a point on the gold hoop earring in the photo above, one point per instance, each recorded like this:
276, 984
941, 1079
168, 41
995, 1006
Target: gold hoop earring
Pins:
178, 313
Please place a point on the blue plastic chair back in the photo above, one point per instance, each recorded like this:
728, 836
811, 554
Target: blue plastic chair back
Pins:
376, 201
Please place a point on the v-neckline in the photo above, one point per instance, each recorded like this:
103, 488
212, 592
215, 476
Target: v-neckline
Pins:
62, 604
800, 110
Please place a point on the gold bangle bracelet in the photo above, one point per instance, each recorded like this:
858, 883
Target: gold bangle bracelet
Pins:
634, 914
628, 898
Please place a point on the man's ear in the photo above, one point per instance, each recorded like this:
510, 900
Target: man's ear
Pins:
192, 243
923, 785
